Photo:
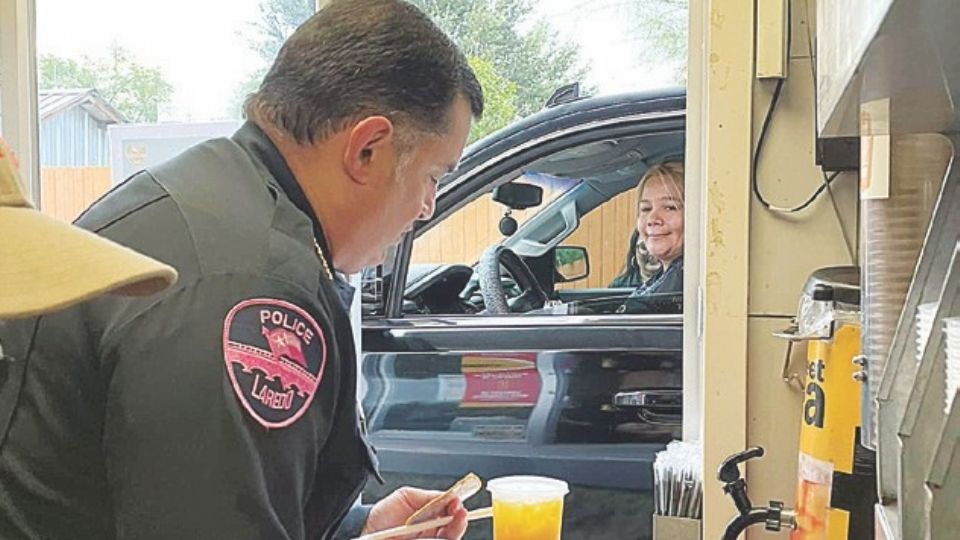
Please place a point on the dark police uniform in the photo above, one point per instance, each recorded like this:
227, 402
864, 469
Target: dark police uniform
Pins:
224, 407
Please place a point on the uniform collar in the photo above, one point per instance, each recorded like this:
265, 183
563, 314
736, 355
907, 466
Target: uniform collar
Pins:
255, 141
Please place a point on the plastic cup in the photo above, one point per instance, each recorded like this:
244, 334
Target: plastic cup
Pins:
527, 507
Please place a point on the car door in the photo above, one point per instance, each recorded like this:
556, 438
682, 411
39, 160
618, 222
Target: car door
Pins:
586, 398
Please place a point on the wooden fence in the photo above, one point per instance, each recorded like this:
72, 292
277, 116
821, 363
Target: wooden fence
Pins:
461, 238
65, 192
605, 232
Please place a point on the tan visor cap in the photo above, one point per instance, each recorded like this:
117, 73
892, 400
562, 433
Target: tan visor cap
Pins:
47, 265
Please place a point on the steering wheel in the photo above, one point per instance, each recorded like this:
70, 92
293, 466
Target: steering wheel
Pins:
491, 288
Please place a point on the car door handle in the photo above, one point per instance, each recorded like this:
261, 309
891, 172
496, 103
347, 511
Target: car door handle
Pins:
648, 398
660, 406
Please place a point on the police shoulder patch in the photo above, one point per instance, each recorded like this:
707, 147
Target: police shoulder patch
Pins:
275, 353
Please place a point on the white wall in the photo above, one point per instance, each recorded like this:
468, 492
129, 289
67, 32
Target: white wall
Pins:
18, 83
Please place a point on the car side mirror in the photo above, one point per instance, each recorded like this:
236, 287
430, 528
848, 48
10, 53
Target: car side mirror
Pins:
571, 263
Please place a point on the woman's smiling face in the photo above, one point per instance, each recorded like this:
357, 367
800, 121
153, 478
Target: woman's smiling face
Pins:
660, 218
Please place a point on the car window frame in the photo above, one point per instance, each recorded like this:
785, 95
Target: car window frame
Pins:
471, 183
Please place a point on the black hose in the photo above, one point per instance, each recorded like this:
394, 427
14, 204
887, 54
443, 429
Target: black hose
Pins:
739, 524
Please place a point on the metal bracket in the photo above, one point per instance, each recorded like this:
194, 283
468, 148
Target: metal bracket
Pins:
790, 334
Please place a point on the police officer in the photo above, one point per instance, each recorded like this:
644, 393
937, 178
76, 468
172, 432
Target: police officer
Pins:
225, 407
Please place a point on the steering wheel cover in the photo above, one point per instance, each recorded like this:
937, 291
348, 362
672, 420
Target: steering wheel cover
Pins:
491, 288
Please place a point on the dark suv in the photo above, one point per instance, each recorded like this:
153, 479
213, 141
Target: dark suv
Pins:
506, 353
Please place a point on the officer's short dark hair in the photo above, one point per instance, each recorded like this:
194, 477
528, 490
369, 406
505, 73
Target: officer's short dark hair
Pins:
356, 58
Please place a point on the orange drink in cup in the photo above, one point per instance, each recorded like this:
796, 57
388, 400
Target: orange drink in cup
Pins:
527, 507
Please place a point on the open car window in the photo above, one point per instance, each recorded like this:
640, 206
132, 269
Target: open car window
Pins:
575, 240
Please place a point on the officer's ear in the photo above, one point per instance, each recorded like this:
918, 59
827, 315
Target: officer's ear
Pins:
370, 153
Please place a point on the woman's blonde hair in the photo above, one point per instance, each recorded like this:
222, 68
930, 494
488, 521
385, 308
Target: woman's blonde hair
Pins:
668, 171
671, 171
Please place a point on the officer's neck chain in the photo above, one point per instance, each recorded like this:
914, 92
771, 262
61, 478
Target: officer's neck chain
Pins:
323, 260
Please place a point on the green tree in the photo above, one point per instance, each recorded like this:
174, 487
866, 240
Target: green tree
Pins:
278, 19
500, 99
246, 87
535, 59
137, 91
56, 72
516, 50
662, 28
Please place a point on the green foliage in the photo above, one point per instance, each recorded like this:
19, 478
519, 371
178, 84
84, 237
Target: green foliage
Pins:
662, 24
244, 89
56, 72
278, 19
535, 59
137, 91
522, 61
500, 99
566, 255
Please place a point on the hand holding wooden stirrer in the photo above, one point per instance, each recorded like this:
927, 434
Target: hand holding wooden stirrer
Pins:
426, 518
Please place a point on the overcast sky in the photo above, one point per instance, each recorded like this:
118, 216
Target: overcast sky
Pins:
607, 43
201, 45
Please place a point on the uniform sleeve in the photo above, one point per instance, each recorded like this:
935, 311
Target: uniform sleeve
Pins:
218, 404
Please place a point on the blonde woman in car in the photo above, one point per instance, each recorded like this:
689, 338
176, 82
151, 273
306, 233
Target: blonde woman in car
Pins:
660, 246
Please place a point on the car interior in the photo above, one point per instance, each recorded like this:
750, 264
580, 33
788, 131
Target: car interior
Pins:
522, 267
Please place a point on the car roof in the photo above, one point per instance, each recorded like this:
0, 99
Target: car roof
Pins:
574, 113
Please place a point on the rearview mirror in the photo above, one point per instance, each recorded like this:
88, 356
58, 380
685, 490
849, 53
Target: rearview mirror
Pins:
571, 263
518, 196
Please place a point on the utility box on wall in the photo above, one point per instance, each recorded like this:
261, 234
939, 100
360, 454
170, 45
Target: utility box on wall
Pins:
772, 30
